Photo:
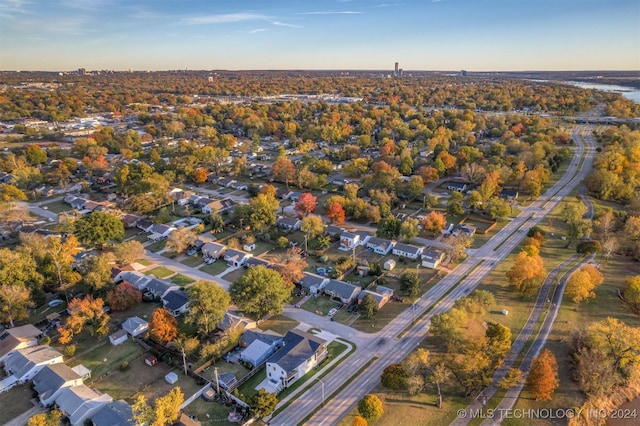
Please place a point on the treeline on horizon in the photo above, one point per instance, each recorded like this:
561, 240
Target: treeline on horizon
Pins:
72, 95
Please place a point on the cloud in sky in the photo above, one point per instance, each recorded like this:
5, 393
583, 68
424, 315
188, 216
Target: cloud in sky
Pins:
224, 18
331, 12
258, 30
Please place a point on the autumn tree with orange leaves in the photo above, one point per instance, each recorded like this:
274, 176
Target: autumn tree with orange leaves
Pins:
528, 271
306, 204
336, 213
163, 328
283, 170
84, 312
434, 222
123, 297
543, 377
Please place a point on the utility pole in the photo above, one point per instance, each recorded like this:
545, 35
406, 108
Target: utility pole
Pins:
322, 383
413, 312
215, 375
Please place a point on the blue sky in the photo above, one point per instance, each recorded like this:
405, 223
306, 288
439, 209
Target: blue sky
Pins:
477, 35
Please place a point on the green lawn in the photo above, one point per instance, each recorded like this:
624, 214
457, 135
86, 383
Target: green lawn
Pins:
14, 402
233, 276
143, 262
193, 261
279, 323
215, 268
320, 305
57, 206
209, 413
181, 280
160, 272
157, 246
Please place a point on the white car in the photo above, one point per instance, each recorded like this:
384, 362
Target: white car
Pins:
332, 312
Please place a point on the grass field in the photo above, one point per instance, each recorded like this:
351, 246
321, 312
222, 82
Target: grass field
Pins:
14, 402
181, 280
193, 261
320, 305
157, 246
215, 268
279, 323
209, 413
160, 272
57, 206
233, 276
143, 262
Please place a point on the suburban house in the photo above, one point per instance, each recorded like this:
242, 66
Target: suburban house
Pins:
15, 338
219, 206
384, 290
144, 225
254, 261
239, 186
175, 302
407, 250
457, 186
333, 231
114, 413
349, 240
344, 292
79, 403
448, 229
135, 326
288, 223
380, 245
23, 364
300, 353
509, 194
213, 250
313, 283
118, 338
258, 345
160, 231
432, 258
236, 257
136, 279
464, 229
227, 380
158, 288
380, 298
50, 381
236, 321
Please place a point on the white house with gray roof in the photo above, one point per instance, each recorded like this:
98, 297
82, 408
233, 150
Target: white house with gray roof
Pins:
50, 381
301, 351
313, 283
432, 258
24, 364
114, 413
236, 257
380, 245
344, 292
407, 250
288, 223
79, 403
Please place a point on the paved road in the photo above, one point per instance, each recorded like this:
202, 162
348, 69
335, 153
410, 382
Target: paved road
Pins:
387, 349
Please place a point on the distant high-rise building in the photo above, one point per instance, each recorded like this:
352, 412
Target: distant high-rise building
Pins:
396, 68
82, 71
463, 73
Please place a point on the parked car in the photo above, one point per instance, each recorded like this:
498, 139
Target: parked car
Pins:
332, 312
191, 252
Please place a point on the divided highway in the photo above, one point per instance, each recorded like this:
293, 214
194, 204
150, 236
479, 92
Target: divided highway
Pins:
386, 347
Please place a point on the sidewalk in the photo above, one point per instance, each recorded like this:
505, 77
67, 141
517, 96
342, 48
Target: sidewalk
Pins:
22, 419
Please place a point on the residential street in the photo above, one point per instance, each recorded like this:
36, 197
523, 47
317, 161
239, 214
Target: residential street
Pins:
387, 349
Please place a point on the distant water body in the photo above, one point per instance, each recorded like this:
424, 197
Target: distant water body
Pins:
628, 92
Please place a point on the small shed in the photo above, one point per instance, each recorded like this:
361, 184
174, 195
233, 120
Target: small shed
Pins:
209, 395
150, 360
118, 338
389, 264
171, 378
249, 247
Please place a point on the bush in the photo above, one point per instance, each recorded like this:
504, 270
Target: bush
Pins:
46, 340
124, 366
282, 242
394, 377
589, 247
69, 350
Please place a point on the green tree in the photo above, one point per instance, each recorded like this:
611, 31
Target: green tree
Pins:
263, 403
409, 229
394, 377
98, 275
389, 227
370, 407
35, 155
99, 228
207, 305
129, 251
454, 204
368, 307
410, 284
15, 303
263, 211
312, 225
260, 291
